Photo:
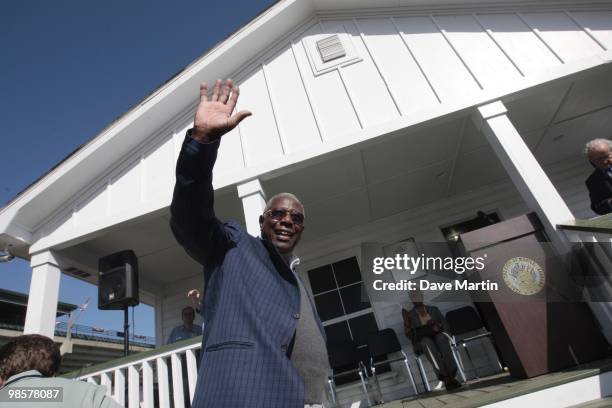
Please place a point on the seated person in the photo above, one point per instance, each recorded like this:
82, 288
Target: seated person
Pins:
32, 361
186, 330
424, 325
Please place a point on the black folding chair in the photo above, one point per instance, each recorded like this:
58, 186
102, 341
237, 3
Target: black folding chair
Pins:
380, 344
461, 321
345, 360
424, 379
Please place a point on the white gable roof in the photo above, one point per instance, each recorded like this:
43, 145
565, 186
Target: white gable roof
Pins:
168, 109
32, 206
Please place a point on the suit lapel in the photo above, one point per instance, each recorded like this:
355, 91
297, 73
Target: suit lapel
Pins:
278, 262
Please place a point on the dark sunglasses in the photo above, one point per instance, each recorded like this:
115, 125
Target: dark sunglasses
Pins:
277, 215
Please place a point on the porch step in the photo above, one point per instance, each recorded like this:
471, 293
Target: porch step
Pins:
549, 390
599, 403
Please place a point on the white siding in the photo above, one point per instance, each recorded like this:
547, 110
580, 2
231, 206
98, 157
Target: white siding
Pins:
479, 52
398, 65
596, 24
158, 171
296, 123
230, 156
364, 85
260, 136
125, 186
387, 47
445, 70
519, 42
59, 223
562, 35
329, 100
94, 205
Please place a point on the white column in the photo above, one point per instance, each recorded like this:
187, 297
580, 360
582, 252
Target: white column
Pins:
44, 292
529, 178
253, 202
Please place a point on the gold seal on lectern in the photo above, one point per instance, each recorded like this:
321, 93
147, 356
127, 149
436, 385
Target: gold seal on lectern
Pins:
523, 276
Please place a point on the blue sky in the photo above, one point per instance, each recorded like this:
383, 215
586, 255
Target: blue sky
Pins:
69, 68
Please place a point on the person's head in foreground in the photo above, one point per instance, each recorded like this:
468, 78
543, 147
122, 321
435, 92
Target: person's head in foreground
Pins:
29, 352
599, 153
282, 222
188, 316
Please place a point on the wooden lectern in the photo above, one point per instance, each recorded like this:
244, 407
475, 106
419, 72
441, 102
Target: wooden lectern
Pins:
537, 325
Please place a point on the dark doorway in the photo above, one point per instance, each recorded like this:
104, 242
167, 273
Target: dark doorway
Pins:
451, 233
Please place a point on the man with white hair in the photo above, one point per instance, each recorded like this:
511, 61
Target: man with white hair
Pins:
599, 183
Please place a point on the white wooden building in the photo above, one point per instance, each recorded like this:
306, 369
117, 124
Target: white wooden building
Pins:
428, 111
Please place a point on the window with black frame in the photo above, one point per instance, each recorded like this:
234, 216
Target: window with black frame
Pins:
346, 315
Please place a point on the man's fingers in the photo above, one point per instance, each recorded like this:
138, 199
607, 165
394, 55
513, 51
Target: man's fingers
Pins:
237, 118
225, 91
216, 89
203, 92
234, 98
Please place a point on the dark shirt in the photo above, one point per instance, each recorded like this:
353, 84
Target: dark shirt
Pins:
599, 185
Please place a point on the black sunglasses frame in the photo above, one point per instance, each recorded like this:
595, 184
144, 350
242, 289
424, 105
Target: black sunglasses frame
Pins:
296, 216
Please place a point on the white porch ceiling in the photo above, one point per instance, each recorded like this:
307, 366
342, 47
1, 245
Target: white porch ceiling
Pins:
160, 259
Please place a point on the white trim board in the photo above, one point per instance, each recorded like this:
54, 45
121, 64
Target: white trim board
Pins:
565, 395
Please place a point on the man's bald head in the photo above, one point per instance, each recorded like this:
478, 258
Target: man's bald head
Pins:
281, 196
282, 221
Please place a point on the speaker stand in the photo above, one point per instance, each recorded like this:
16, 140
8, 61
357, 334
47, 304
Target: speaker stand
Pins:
126, 331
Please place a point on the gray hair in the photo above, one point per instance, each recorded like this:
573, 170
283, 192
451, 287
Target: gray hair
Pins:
595, 142
283, 195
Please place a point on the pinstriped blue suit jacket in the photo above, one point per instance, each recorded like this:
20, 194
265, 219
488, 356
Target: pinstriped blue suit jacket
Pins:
250, 298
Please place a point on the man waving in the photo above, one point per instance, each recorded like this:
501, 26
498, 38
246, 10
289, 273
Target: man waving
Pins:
263, 345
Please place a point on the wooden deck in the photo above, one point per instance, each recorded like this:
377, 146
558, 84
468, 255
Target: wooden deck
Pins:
600, 403
500, 387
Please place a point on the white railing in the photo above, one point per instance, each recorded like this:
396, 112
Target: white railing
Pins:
596, 230
149, 377
169, 373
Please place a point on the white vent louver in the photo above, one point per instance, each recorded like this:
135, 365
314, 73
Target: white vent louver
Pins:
331, 48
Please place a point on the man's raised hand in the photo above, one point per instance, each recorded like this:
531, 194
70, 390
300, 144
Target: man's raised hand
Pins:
194, 294
213, 118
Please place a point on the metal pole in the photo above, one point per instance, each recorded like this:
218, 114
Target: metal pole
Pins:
126, 332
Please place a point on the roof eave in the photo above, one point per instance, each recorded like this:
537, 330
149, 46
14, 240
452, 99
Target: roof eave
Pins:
156, 109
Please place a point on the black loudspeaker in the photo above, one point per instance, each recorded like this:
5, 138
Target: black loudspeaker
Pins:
118, 281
